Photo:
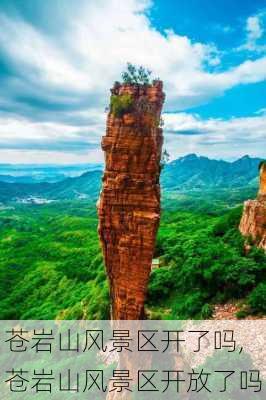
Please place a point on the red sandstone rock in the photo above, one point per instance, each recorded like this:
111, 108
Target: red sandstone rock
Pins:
262, 189
129, 204
253, 221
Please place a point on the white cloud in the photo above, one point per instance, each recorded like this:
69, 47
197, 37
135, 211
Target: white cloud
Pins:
261, 111
184, 133
37, 57
254, 31
21, 134
215, 137
254, 28
46, 157
75, 69
101, 39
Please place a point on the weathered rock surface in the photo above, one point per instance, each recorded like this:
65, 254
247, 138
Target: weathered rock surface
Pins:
262, 189
129, 204
253, 221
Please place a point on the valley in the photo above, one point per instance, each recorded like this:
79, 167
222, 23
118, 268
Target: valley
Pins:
186, 176
51, 262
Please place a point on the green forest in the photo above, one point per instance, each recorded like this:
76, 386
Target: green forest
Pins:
51, 264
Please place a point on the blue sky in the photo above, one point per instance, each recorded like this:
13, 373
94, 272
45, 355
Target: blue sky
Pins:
58, 59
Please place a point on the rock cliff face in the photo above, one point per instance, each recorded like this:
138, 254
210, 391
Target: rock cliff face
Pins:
253, 221
262, 189
129, 204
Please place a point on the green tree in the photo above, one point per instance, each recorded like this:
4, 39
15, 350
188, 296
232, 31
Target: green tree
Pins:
136, 75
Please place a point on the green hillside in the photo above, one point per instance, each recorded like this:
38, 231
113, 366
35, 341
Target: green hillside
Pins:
85, 186
194, 172
51, 264
203, 263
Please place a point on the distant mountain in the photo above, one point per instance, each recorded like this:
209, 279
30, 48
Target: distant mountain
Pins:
35, 173
187, 173
196, 172
85, 186
29, 178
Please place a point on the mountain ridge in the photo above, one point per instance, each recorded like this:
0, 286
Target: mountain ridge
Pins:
198, 172
191, 172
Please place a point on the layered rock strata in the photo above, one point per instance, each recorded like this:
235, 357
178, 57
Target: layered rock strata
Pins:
129, 203
253, 221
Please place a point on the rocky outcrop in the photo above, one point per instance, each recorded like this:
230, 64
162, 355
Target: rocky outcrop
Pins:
129, 204
262, 188
253, 221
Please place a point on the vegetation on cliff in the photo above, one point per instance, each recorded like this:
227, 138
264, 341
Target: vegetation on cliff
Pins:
120, 105
136, 75
262, 164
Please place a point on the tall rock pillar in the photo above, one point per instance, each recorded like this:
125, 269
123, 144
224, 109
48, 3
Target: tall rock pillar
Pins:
253, 221
262, 188
129, 203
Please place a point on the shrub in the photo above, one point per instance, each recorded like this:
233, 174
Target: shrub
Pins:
161, 282
228, 221
261, 164
165, 159
121, 105
206, 311
136, 75
191, 305
241, 314
257, 299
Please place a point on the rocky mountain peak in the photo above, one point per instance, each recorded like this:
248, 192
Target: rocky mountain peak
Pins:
262, 187
253, 221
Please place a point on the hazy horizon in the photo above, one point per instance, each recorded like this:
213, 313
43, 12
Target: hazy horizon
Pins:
102, 163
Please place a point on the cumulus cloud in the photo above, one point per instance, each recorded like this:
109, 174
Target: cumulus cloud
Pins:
21, 134
255, 31
57, 85
215, 137
254, 28
95, 48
